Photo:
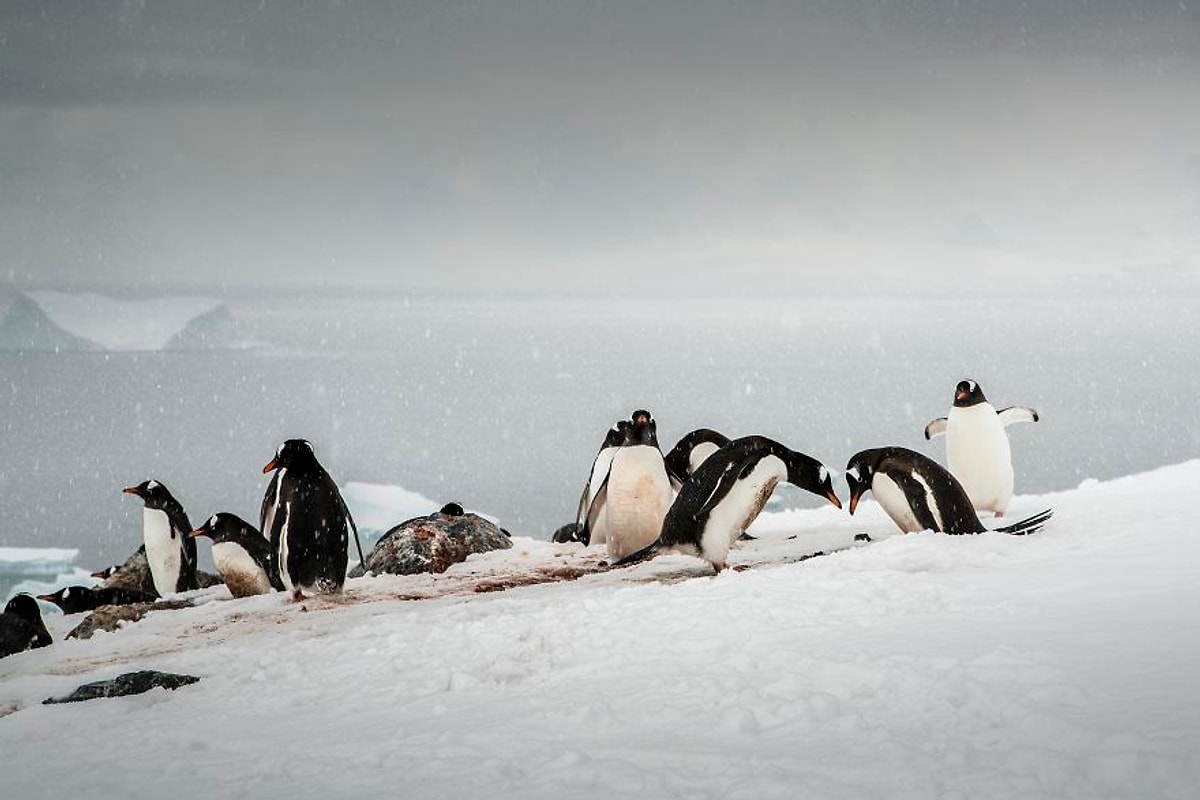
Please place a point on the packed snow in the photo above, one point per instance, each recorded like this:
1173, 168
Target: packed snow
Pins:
1056, 665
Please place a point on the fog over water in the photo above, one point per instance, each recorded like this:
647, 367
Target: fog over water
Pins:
467, 237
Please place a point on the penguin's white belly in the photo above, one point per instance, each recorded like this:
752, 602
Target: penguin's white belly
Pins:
979, 456
283, 548
164, 553
639, 494
239, 570
733, 514
894, 503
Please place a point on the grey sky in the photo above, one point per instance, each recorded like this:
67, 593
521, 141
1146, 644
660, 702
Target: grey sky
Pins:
590, 146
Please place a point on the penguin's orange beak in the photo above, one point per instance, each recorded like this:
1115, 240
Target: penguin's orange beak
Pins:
961, 396
99, 575
269, 467
854, 498
133, 490
198, 533
49, 598
833, 498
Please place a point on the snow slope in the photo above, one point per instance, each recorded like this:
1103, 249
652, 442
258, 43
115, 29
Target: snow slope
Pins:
1057, 665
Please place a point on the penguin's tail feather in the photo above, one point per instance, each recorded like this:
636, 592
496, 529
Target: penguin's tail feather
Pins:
648, 552
1029, 524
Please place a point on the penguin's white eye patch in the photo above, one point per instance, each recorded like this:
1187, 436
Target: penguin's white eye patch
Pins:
822, 474
308, 444
212, 521
66, 593
852, 473
971, 385
152, 485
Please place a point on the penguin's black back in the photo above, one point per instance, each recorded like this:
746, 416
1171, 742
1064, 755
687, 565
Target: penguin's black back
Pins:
78, 599
957, 513
21, 626
709, 484
311, 509
679, 459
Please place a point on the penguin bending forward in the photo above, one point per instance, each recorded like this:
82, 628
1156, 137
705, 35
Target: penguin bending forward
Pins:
170, 552
977, 448
920, 494
690, 452
307, 522
721, 498
78, 599
628, 509
242, 555
21, 626
594, 533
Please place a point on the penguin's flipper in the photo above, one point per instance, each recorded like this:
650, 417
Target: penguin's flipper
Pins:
593, 511
581, 511
353, 527
733, 473
935, 428
1015, 414
1029, 524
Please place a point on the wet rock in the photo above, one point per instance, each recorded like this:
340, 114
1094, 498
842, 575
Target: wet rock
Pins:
133, 574
432, 543
109, 618
127, 684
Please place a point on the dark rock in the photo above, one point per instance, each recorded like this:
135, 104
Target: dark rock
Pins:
862, 537
432, 544
133, 574
109, 618
127, 684
571, 532
205, 580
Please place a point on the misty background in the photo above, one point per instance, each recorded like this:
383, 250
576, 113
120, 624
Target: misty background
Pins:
464, 238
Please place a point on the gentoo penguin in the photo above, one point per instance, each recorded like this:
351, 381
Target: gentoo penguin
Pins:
77, 599
240, 552
170, 552
977, 449
588, 534
106, 573
307, 522
634, 497
21, 626
721, 498
920, 494
690, 452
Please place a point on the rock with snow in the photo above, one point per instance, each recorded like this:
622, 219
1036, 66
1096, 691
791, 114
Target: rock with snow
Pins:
84, 321
109, 618
126, 684
433, 543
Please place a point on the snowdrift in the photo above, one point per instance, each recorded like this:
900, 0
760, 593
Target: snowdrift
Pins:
60, 321
1056, 665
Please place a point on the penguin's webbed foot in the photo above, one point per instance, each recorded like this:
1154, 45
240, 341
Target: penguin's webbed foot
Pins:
297, 595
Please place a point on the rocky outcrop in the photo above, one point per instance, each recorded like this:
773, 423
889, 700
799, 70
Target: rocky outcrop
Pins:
432, 543
127, 684
109, 618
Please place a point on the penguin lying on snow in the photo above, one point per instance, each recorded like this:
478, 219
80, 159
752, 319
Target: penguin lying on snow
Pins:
628, 510
21, 626
307, 521
977, 448
690, 452
720, 500
240, 552
77, 599
583, 532
919, 494
170, 552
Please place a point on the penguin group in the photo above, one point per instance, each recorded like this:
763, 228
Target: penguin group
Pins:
701, 497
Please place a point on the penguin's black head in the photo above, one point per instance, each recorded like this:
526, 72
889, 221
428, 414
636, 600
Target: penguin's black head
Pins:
224, 527
153, 493
452, 510
615, 435
292, 453
641, 429
68, 598
679, 460
967, 394
860, 471
23, 606
105, 574
812, 476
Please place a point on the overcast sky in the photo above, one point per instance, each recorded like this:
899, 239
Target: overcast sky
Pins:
600, 146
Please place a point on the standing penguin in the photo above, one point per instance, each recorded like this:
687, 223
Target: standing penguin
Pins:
634, 497
920, 494
306, 521
690, 452
170, 552
242, 555
594, 533
721, 498
977, 448
21, 626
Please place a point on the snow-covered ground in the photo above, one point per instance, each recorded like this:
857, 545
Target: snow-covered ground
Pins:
1057, 665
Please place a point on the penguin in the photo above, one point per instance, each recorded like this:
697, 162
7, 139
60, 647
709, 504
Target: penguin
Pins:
21, 626
977, 448
634, 496
589, 535
240, 552
106, 573
307, 522
77, 599
920, 494
721, 498
170, 552
690, 452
